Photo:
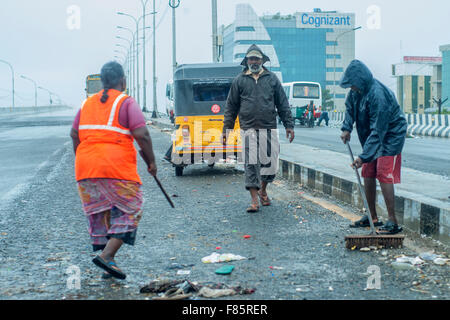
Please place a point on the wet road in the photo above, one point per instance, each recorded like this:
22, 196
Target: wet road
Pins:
26, 142
427, 154
44, 238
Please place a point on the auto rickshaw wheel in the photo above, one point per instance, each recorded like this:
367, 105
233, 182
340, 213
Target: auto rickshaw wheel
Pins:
179, 171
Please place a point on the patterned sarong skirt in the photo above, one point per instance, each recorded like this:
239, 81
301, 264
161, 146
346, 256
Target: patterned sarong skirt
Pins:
113, 209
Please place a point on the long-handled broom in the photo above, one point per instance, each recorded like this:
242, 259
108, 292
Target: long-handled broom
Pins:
157, 180
372, 239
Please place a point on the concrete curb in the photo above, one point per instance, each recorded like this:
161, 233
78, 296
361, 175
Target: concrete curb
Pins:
419, 215
161, 123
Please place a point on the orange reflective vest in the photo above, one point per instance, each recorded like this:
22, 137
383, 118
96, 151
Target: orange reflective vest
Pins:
106, 148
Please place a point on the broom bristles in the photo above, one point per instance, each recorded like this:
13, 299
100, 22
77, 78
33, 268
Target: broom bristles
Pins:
384, 241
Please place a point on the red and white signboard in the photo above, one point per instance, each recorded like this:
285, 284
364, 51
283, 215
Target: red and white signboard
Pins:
416, 59
215, 108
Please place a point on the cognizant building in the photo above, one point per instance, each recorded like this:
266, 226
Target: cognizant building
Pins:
305, 46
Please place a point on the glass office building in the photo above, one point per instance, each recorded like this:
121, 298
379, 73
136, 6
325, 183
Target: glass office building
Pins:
305, 46
446, 74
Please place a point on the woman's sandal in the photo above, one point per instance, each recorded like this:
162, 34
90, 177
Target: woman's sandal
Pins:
253, 208
265, 201
110, 267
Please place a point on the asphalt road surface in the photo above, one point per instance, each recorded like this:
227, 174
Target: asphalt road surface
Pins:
27, 142
296, 246
427, 154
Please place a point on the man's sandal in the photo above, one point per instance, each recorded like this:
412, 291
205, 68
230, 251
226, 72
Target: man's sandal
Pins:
253, 208
390, 228
364, 222
265, 201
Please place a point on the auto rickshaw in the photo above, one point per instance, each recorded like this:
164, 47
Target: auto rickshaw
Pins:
298, 113
304, 115
201, 91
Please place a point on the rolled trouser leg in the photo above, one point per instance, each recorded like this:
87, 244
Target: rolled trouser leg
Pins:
252, 165
252, 176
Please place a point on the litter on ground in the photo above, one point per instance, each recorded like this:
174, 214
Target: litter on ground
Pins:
225, 257
225, 270
185, 289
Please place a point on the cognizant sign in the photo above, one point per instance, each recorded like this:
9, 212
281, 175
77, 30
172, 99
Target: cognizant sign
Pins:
325, 20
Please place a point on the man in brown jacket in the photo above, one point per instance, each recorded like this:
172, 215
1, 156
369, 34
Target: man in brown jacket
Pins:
257, 96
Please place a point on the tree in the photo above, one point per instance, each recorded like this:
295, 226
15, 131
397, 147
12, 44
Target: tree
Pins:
440, 103
327, 100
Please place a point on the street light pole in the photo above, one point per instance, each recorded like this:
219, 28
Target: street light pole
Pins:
214, 29
57, 95
174, 4
121, 52
124, 57
35, 88
334, 63
49, 93
137, 53
137, 47
12, 72
144, 5
127, 61
124, 62
155, 105
132, 54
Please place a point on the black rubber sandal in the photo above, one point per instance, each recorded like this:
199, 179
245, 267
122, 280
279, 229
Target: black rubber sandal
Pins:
390, 228
364, 222
110, 267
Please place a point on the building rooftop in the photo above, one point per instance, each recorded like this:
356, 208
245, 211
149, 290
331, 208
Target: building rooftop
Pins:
445, 47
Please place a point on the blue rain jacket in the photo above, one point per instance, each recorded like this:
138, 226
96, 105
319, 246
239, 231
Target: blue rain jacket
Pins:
380, 123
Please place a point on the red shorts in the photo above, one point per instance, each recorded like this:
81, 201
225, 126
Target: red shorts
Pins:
385, 169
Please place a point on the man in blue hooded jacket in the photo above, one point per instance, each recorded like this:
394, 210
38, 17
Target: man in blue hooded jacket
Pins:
381, 127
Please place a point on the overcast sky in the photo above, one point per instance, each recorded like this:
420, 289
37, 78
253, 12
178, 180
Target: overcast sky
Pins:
35, 38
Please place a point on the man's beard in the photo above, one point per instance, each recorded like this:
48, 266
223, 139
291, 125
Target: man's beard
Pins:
255, 67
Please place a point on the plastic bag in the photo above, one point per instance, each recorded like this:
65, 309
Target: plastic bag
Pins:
224, 257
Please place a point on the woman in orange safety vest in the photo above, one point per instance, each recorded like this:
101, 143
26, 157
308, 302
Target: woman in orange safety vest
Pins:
106, 166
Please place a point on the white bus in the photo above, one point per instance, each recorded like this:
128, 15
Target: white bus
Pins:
300, 93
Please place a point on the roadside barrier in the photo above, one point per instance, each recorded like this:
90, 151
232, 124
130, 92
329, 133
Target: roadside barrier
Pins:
432, 125
39, 109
